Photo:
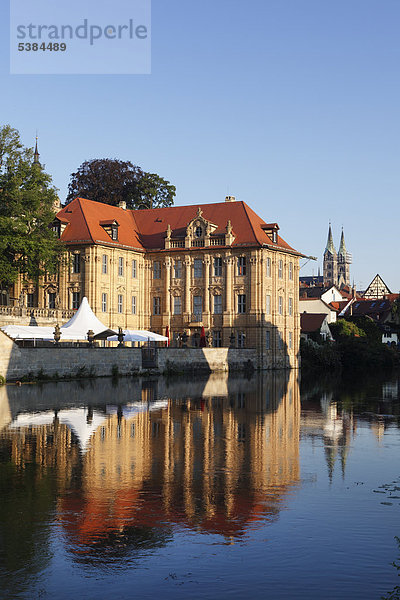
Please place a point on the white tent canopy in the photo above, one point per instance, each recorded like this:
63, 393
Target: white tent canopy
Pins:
83, 320
75, 329
139, 335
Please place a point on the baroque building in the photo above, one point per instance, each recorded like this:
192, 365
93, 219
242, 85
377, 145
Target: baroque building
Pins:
217, 266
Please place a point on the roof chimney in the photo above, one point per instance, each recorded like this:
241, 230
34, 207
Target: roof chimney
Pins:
230, 198
122, 204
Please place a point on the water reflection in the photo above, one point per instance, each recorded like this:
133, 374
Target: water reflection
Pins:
106, 475
137, 461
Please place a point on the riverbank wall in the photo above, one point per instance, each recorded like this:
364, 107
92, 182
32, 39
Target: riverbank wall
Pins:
17, 363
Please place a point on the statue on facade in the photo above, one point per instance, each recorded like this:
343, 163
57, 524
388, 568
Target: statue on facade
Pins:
209, 339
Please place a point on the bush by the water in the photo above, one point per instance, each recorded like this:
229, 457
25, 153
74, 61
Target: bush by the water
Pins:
348, 354
319, 356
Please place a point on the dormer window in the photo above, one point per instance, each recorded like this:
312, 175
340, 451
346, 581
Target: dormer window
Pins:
59, 225
271, 229
198, 231
111, 228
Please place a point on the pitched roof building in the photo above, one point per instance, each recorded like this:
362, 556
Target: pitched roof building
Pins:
218, 266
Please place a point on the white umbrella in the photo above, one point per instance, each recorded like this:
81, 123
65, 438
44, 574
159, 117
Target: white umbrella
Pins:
139, 335
28, 332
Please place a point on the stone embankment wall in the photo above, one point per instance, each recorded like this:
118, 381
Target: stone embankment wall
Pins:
17, 363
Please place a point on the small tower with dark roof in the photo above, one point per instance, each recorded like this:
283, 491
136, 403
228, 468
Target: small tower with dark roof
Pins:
36, 160
330, 261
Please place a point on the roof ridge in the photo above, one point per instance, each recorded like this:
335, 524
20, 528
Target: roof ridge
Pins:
245, 206
84, 218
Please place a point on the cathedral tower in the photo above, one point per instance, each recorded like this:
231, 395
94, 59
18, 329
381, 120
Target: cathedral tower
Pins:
330, 261
343, 264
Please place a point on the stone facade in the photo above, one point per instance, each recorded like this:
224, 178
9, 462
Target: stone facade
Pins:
236, 278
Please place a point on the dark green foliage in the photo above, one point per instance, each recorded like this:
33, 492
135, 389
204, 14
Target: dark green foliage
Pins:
112, 181
315, 357
2, 380
28, 245
351, 354
153, 191
360, 353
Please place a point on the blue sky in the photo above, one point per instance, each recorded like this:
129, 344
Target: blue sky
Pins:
290, 105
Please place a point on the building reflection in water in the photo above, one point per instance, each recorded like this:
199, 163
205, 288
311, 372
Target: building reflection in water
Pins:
218, 460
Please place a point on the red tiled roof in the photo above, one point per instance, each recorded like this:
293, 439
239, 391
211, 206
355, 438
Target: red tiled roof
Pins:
85, 224
146, 229
311, 322
339, 306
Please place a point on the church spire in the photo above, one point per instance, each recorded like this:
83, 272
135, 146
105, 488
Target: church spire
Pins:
36, 155
342, 248
329, 244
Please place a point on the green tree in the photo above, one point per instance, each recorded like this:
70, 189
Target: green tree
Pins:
345, 329
28, 245
111, 181
152, 191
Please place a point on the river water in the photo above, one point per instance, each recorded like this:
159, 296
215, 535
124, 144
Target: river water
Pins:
214, 488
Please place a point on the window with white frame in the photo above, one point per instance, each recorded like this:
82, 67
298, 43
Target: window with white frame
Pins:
134, 268
156, 269
268, 267
104, 264
291, 271
290, 340
290, 307
120, 303
156, 305
241, 339
217, 304
217, 338
280, 305
120, 266
218, 266
51, 299
267, 340
177, 305
76, 263
268, 304
30, 300
241, 303
134, 305
104, 303
280, 269
197, 305
178, 269
76, 300
241, 265
280, 341
197, 268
